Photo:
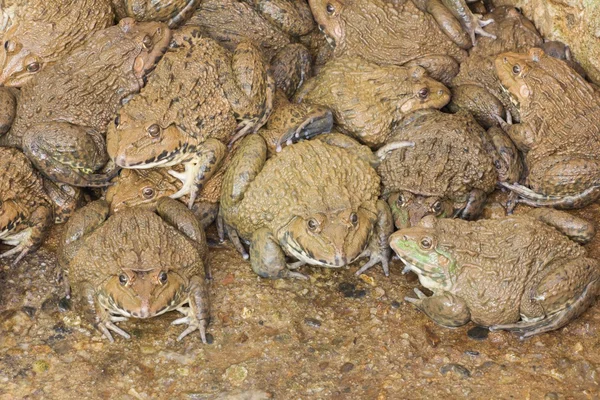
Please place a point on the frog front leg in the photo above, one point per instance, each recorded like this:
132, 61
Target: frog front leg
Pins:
443, 308
379, 248
68, 153
439, 67
96, 314
267, 257
446, 21
199, 169
197, 314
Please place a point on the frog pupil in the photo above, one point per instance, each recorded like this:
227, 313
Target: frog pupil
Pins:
354, 218
163, 277
330, 9
123, 279
33, 67
516, 69
423, 93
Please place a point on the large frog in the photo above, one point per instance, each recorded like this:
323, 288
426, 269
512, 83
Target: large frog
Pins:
368, 100
448, 171
195, 100
43, 32
63, 113
522, 272
559, 129
172, 12
476, 88
388, 32
137, 264
313, 201
26, 213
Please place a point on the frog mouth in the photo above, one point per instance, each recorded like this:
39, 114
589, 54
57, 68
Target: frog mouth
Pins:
299, 253
409, 266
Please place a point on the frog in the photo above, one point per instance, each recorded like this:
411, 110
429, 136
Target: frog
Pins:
8, 108
388, 32
450, 169
525, 273
64, 112
26, 213
476, 88
198, 99
65, 199
315, 202
43, 32
561, 144
368, 100
136, 264
173, 12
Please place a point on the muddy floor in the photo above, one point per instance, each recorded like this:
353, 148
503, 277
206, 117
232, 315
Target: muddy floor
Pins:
335, 336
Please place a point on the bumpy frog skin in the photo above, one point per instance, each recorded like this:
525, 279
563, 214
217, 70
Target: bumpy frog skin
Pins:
63, 113
562, 144
191, 107
25, 209
313, 201
8, 108
368, 100
172, 12
137, 264
388, 32
45, 31
518, 273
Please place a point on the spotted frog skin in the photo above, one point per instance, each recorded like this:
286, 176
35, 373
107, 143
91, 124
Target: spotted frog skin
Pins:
193, 104
523, 273
26, 213
368, 100
313, 201
137, 264
63, 113
562, 143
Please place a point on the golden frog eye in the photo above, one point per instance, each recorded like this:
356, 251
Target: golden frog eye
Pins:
153, 130
148, 192
162, 277
516, 69
354, 219
330, 8
147, 42
426, 243
437, 207
123, 279
33, 67
313, 224
423, 93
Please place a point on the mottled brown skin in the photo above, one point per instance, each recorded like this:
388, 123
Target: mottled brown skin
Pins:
313, 201
172, 12
448, 171
521, 273
8, 108
199, 97
559, 129
319, 48
63, 113
388, 32
65, 199
25, 210
476, 88
291, 67
368, 100
137, 264
45, 31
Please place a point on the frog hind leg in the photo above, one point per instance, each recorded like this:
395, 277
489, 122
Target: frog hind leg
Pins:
444, 308
268, 259
446, 21
206, 212
472, 23
577, 229
478, 101
197, 314
379, 249
199, 169
184, 14
68, 153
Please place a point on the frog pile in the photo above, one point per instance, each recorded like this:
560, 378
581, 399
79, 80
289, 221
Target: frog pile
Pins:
307, 132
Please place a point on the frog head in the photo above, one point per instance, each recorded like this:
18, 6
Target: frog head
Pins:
328, 14
423, 92
408, 209
140, 188
513, 71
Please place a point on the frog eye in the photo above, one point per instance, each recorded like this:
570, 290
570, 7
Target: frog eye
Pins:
312, 224
117, 120
123, 279
426, 243
330, 8
148, 192
423, 93
497, 164
153, 130
437, 207
162, 277
401, 201
354, 219
147, 42
516, 69
33, 67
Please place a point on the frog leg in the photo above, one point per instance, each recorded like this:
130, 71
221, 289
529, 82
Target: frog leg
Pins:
65, 199
199, 169
197, 315
379, 248
475, 203
478, 101
521, 134
446, 21
472, 23
97, 314
439, 67
68, 153
268, 259
291, 67
359, 150
577, 229
206, 212
184, 14
443, 308
302, 124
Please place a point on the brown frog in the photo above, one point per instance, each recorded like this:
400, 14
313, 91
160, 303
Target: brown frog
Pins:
137, 264
368, 100
559, 129
523, 273
476, 88
388, 32
8, 108
43, 32
26, 213
448, 171
63, 113
172, 12
194, 102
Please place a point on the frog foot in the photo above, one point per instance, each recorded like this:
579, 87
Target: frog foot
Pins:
534, 199
375, 259
383, 151
477, 27
23, 245
187, 178
504, 124
308, 129
420, 296
194, 324
294, 274
106, 326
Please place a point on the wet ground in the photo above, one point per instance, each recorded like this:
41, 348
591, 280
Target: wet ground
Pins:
335, 336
